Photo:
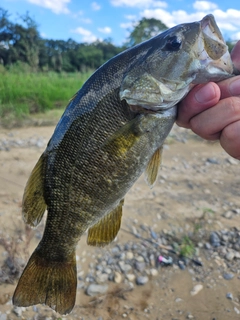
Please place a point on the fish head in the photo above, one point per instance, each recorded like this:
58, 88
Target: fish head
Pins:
175, 61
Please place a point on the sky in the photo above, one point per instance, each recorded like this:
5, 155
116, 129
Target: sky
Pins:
88, 21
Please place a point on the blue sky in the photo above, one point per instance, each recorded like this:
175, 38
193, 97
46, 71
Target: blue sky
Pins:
87, 20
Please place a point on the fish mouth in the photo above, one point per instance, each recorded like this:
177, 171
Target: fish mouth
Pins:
214, 55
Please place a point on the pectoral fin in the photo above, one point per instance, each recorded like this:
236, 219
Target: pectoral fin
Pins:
34, 204
153, 167
105, 230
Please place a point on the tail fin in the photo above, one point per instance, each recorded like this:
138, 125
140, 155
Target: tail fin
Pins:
46, 282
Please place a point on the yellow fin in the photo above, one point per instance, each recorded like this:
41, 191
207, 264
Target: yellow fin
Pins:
48, 282
34, 204
153, 167
105, 230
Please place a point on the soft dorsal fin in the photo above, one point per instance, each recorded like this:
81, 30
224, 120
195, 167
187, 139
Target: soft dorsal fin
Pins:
105, 230
34, 204
153, 167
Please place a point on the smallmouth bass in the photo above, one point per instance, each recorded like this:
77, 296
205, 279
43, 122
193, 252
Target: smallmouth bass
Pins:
111, 132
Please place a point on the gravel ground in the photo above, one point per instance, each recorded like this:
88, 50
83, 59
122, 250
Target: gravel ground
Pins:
176, 257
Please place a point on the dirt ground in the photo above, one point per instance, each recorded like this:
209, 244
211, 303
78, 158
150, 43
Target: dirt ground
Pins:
198, 183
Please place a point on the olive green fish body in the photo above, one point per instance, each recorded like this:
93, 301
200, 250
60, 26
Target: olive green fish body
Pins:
110, 133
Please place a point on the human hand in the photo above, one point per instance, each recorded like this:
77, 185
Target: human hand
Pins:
212, 110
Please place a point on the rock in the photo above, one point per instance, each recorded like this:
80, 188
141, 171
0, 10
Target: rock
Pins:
181, 265
228, 214
130, 276
236, 310
117, 277
196, 289
153, 272
129, 255
232, 161
230, 256
228, 276
102, 277
229, 296
141, 280
124, 266
18, 311
140, 266
212, 160
215, 240
3, 316
140, 258
95, 289
208, 246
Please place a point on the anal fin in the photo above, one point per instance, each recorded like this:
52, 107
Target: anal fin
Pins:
153, 167
105, 230
34, 204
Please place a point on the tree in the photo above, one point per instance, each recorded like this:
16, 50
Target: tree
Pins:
144, 30
19, 41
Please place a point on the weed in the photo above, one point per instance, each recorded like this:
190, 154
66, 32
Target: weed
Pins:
23, 93
187, 248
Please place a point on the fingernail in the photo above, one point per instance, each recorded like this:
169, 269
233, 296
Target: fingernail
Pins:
205, 93
234, 87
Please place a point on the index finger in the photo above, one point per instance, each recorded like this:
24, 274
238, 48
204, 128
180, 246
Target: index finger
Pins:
198, 99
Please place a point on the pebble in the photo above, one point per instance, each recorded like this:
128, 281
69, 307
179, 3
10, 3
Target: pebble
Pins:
153, 272
232, 161
215, 240
130, 277
140, 266
212, 160
236, 310
117, 277
229, 296
228, 276
141, 280
196, 289
103, 277
18, 310
228, 215
3, 316
230, 256
95, 289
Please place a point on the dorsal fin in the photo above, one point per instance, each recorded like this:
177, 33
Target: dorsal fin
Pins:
34, 204
153, 167
106, 229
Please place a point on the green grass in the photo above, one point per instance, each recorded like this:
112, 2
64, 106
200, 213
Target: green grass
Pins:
24, 93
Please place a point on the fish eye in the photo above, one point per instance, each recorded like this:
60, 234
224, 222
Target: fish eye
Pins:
173, 44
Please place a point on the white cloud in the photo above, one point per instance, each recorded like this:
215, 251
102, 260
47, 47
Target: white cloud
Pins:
95, 6
131, 17
106, 30
138, 3
126, 25
87, 35
57, 6
204, 6
235, 36
86, 20
227, 20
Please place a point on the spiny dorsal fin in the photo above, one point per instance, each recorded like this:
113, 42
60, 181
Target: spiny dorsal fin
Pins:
34, 204
105, 230
153, 167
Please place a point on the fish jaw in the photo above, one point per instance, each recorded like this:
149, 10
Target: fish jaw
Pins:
213, 53
166, 75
